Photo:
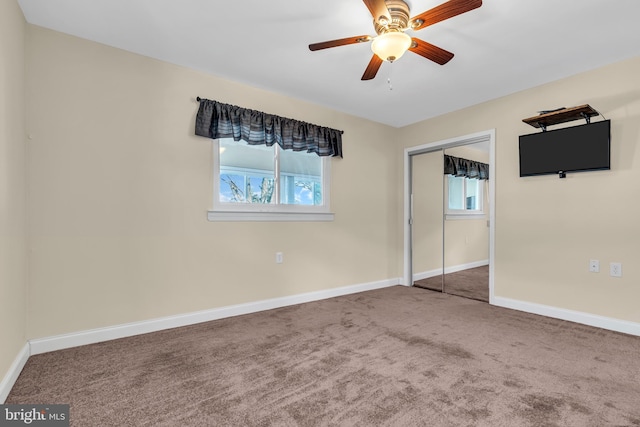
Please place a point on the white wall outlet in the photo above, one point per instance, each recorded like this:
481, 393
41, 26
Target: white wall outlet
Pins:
279, 258
615, 269
594, 266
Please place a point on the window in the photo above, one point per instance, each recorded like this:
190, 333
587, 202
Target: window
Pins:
464, 197
257, 182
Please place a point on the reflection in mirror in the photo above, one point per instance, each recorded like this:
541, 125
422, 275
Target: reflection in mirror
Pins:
466, 226
427, 217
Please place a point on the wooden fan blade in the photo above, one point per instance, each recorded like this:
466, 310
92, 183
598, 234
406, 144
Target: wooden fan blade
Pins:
444, 11
372, 68
429, 51
339, 42
378, 8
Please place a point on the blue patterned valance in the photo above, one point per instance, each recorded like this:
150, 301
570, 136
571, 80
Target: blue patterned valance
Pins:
216, 120
463, 167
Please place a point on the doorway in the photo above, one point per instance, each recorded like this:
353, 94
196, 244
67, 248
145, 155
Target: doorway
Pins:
444, 245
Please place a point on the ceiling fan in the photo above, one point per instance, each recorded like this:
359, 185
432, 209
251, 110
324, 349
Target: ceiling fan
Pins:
391, 20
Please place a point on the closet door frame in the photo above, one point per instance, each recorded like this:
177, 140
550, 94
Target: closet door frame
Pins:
484, 136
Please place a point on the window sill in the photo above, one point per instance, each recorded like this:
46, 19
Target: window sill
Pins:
465, 216
230, 216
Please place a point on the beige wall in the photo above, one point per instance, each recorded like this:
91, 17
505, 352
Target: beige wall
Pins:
13, 260
121, 188
547, 229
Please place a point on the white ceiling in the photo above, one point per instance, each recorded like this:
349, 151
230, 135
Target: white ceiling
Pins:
503, 47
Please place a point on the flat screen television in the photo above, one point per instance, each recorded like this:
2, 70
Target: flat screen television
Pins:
573, 149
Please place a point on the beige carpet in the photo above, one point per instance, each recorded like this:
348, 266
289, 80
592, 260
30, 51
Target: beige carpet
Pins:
398, 356
470, 283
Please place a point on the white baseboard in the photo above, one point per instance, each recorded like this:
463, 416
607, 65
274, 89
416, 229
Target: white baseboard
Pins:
450, 269
59, 342
608, 323
43, 345
12, 374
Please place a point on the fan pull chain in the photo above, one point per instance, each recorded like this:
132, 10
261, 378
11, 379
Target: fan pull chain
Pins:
389, 76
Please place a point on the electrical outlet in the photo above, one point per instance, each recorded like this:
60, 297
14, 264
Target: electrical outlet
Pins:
594, 266
615, 269
279, 258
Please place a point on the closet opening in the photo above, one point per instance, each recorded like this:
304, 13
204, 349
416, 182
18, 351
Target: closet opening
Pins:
449, 216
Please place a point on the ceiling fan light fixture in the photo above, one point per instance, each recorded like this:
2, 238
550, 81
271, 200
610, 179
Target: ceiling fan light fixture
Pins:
391, 46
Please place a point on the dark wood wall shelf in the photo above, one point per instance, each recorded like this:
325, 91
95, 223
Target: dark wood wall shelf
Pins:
562, 116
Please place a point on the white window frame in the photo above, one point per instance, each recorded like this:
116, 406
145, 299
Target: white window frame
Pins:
464, 213
222, 211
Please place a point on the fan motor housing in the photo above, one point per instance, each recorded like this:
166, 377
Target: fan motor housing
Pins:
399, 11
